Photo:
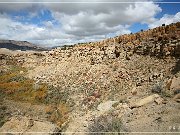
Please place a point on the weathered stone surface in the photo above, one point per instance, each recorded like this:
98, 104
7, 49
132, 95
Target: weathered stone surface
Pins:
28, 126
134, 91
177, 97
175, 85
106, 106
159, 100
168, 84
145, 100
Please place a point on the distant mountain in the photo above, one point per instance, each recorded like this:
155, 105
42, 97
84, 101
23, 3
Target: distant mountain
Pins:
20, 45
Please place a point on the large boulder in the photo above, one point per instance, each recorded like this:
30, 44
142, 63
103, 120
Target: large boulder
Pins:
146, 100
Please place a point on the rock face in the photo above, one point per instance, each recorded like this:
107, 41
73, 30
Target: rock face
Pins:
161, 41
24, 125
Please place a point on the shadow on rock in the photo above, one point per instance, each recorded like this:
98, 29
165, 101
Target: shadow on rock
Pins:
176, 68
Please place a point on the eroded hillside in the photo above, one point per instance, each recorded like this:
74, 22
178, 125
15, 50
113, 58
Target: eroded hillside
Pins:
129, 83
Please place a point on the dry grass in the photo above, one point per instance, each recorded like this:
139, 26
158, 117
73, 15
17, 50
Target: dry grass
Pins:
14, 86
58, 113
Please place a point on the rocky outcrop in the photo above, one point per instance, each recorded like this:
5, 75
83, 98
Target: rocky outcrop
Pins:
146, 100
160, 42
25, 125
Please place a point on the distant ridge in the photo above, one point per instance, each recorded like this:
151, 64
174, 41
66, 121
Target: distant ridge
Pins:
20, 45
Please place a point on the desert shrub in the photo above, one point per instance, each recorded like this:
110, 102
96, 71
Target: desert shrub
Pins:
41, 93
6, 77
14, 86
15, 68
55, 95
166, 93
57, 113
17, 78
157, 88
12, 74
4, 116
49, 109
106, 124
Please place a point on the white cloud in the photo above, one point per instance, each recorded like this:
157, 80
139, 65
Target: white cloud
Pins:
77, 22
101, 19
11, 29
166, 19
86, 24
144, 12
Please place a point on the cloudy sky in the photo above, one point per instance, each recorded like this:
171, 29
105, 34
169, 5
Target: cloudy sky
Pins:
51, 23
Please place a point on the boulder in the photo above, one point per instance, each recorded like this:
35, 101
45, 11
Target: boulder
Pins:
134, 91
177, 91
159, 100
175, 85
25, 125
177, 97
106, 106
145, 101
168, 84
21, 72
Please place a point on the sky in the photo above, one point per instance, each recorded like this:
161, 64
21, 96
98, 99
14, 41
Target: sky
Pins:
62, 22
